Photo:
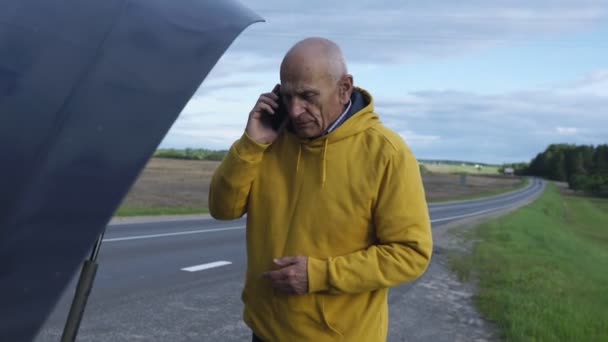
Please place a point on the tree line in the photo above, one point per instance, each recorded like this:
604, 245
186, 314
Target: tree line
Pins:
190, 154
453, 162
584, 167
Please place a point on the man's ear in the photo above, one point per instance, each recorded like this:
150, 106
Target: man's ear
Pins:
346, 88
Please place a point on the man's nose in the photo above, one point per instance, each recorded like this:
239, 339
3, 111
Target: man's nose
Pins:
295, 107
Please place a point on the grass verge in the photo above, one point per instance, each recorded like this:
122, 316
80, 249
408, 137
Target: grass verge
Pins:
156, 211
542, 271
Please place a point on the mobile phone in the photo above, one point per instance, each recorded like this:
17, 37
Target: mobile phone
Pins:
280, 113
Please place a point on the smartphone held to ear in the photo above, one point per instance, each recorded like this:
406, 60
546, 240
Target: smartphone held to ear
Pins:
280, 113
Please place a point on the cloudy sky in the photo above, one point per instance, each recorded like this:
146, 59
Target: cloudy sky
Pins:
483, 81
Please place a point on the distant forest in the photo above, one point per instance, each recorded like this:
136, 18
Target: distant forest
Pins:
191, 154
454, 162
584, 167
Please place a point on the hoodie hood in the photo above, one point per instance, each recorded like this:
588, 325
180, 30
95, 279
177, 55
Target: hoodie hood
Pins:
360, 117
356, 103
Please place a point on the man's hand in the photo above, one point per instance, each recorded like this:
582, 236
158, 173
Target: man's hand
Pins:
258, 127
292, 277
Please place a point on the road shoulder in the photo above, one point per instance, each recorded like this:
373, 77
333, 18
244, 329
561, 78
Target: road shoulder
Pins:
117, 220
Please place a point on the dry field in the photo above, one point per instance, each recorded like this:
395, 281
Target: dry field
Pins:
445, 187
170, 183
458, 168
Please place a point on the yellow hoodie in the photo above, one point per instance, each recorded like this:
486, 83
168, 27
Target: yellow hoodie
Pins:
352, 201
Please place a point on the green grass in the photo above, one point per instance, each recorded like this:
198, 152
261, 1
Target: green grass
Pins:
155, 211
602, 204
543, 270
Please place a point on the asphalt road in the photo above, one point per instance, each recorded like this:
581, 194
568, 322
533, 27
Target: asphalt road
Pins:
180, 280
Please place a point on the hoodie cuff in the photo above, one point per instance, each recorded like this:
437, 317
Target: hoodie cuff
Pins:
317, 275
249, 150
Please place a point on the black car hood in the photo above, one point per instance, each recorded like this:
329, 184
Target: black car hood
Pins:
88, 90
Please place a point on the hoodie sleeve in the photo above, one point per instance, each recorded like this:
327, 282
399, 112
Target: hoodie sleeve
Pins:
403, 232
231, 182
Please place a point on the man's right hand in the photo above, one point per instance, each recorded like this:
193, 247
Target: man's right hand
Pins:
259, 129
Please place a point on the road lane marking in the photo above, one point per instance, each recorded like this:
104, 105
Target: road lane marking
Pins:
469, 214
206, 266
503, 207
188, 232
482, 201
151, 236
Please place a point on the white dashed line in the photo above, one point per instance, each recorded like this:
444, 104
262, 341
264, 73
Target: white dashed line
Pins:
207, 266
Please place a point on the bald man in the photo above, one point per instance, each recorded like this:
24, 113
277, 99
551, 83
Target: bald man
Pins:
336, 211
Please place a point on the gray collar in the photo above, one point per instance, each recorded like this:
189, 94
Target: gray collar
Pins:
339, 119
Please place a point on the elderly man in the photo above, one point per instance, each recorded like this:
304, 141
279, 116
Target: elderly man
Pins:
336, 212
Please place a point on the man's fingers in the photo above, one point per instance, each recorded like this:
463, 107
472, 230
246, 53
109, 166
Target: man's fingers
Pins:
282, 276
273, 96
283, 284
265, 107
291, 278
285, 280
283, 288
286, 261
278, 275
270, 99
276, 90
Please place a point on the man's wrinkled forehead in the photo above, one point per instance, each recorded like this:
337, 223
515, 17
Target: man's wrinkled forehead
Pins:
302, 86
289, 88
304, 78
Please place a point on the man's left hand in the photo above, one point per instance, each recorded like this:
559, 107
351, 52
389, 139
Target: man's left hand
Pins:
292, 277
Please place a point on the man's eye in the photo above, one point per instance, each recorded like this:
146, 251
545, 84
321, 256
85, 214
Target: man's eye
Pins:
308, 95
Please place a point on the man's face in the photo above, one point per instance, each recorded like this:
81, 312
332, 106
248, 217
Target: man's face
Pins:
312, 100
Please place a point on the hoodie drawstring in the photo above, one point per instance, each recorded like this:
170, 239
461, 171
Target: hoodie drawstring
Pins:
299, 156
324, 162
323, 165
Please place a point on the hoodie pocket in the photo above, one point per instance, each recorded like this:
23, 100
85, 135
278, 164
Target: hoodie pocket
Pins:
328, 321
361, 316
305, 314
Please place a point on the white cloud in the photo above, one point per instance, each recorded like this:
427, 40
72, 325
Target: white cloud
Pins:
203, 136
397, 31
436, 124
415, 140
496, 128
594, 84
567, 130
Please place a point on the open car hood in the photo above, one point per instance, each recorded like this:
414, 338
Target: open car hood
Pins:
88, 90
